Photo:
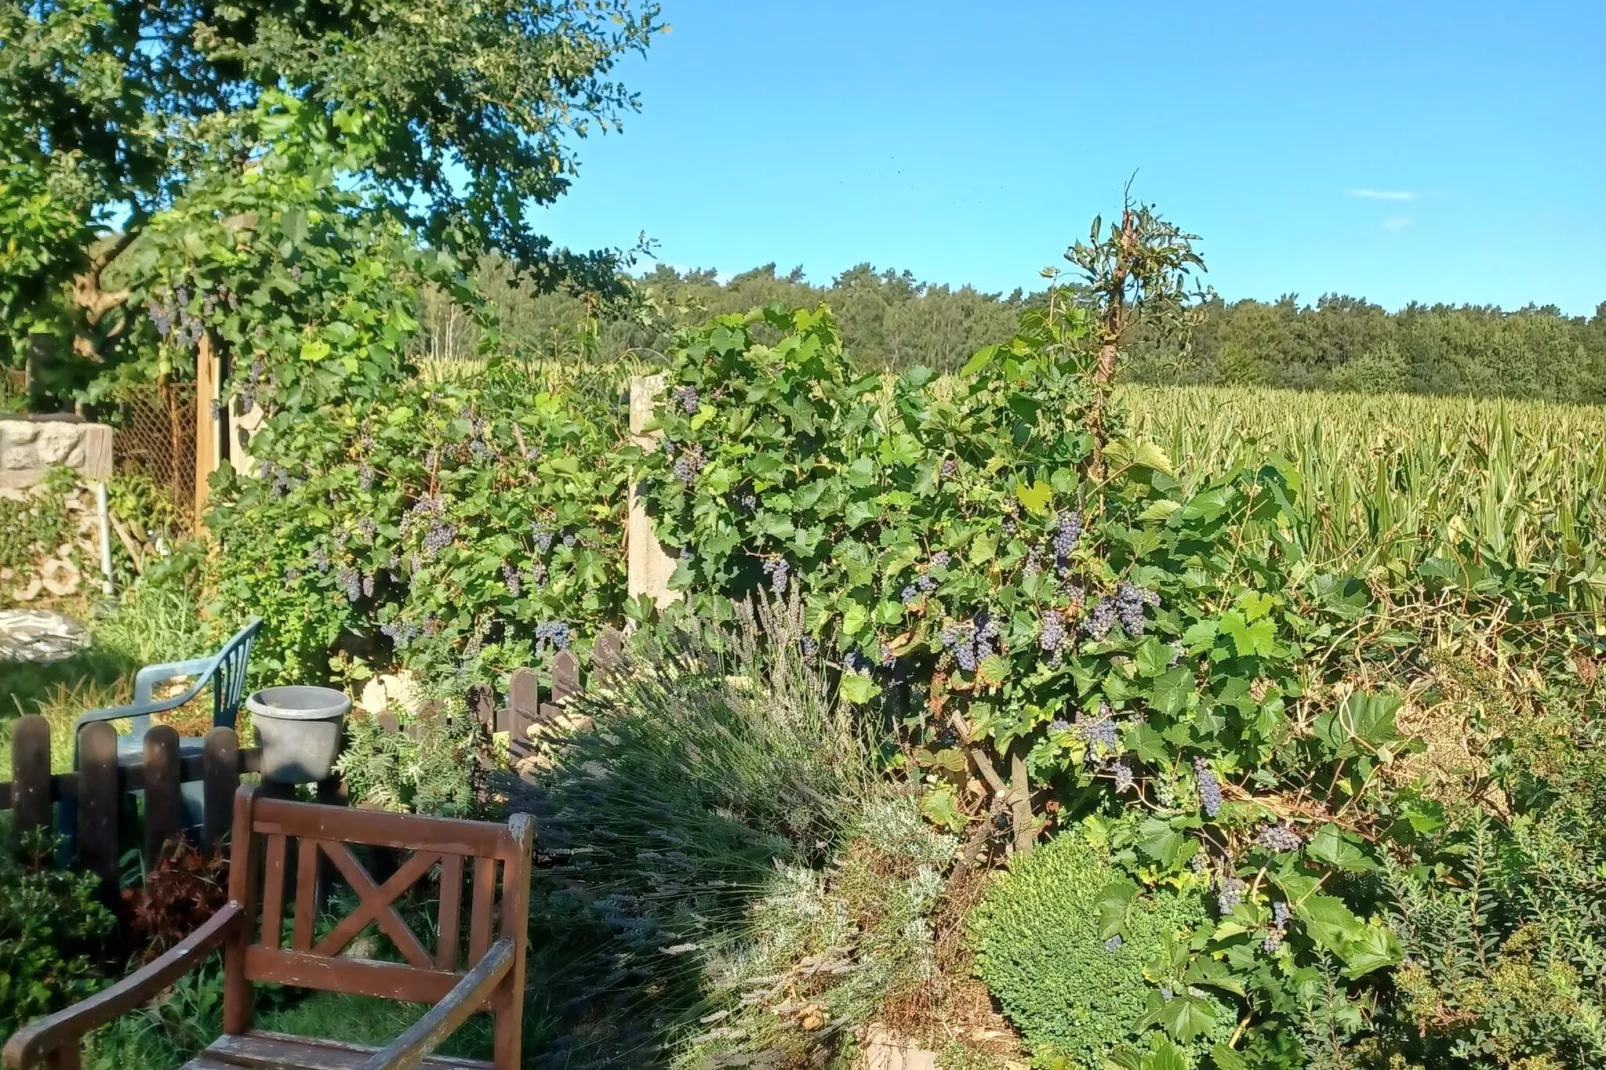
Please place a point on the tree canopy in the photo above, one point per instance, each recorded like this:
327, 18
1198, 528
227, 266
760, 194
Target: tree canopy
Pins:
110, 110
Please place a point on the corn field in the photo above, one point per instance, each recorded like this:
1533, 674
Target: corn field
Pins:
1394, 481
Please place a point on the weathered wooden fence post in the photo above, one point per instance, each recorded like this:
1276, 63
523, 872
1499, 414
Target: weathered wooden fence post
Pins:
648, 568
99, 801
220, 775
30, 773
164, 810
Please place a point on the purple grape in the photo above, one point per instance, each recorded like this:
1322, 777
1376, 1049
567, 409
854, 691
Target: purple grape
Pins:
777, 569
1230, 895
1209, 787
941, 559
1101, 619
1067, 535
350, 582
950, 467
1124, 779
512, 579
687, 396
908, 594
1279, 837
1051, 636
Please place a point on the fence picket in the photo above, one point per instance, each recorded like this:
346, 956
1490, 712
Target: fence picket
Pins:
523, 707
98, 801
565, 677
30, 773
164, 806
220, 777
607, 654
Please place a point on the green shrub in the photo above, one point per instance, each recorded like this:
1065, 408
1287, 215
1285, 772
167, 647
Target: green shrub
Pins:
53, 931
1074, 993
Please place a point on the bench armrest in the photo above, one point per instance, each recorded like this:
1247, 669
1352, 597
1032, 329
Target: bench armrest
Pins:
466, 997
34, 1043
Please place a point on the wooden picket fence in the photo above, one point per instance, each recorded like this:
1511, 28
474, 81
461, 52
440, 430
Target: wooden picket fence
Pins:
99, 786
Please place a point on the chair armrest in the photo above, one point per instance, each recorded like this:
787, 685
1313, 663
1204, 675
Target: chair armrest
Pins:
415, 1045
151, 675
34, 1043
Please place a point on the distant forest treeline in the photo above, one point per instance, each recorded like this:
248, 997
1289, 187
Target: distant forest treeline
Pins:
890, 319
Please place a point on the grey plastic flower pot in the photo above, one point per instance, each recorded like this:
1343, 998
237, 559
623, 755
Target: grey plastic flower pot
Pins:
298, 728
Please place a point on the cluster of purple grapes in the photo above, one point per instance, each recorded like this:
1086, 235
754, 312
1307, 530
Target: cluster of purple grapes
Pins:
1100, 619
171, 315
925, 584
1099, 732
543, 535
1209, 787
1034, 561
1051, 635
1008, 524
1067, 536
749, 502
1124, 778
569, 538
365, 476
320, 558
809, 647
401, 633
248, 389
941, 559
282, 483
437, 538
535, 572
511, 578
1129, 602
292, 576
972, 640
1279, 837
1280, 915
856, 663
368, 585
688, 462
350, 582
950, 467
432, 458
367, 529
779, 570
1230, 894
555, 632
687, 397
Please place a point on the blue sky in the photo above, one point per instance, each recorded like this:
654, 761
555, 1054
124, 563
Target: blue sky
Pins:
1397, 151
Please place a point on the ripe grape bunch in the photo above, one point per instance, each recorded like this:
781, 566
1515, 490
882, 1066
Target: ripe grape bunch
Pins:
1209, 787
1231, 894
687, 397
1279, 837
555, 632
1066, 536
688, 462
777, 569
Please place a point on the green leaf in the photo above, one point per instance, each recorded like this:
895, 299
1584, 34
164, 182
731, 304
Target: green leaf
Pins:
1186, 1017
1036, 497
1339, 849
858, 689
1115, 900
1160, 841
941, 807
1172, 691
1249, 639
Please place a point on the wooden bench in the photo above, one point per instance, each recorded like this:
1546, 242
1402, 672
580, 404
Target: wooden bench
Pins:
489, 977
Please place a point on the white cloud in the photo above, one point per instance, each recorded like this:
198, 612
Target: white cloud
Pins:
1383, 194
1398, 222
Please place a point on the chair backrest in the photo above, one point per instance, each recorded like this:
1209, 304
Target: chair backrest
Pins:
269, 832
225, 671
228, 681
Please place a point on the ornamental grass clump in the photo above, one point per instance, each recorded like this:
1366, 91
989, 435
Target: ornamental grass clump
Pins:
717, 762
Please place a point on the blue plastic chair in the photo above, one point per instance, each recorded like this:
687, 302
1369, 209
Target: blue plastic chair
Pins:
224, 671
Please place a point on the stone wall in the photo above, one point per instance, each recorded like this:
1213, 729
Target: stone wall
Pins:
32, 445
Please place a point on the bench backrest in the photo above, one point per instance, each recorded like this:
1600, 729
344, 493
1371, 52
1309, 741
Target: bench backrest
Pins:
268, 833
